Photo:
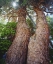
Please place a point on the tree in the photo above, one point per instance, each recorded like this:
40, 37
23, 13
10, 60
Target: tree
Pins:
38, 48
40, 42
18, 50
20, 43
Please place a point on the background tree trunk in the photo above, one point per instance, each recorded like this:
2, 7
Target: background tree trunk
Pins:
38, 48
17, 52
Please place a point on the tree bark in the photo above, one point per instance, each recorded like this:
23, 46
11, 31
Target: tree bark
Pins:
17, 52
38, 48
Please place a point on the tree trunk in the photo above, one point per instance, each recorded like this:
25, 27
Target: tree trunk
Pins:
38, 48
17, 52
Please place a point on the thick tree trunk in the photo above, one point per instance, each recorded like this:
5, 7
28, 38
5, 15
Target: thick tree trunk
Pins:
17, 52
38, 48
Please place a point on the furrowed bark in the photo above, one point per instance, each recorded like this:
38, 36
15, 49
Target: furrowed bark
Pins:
17, 52
38, 48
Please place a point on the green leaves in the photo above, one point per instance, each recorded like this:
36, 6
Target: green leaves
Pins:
23, 2
8, 29
7, 32
30, 24
4, 2
50, 22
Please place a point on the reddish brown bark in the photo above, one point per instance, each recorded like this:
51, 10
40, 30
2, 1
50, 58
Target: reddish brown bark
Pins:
38, 48
17, 52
